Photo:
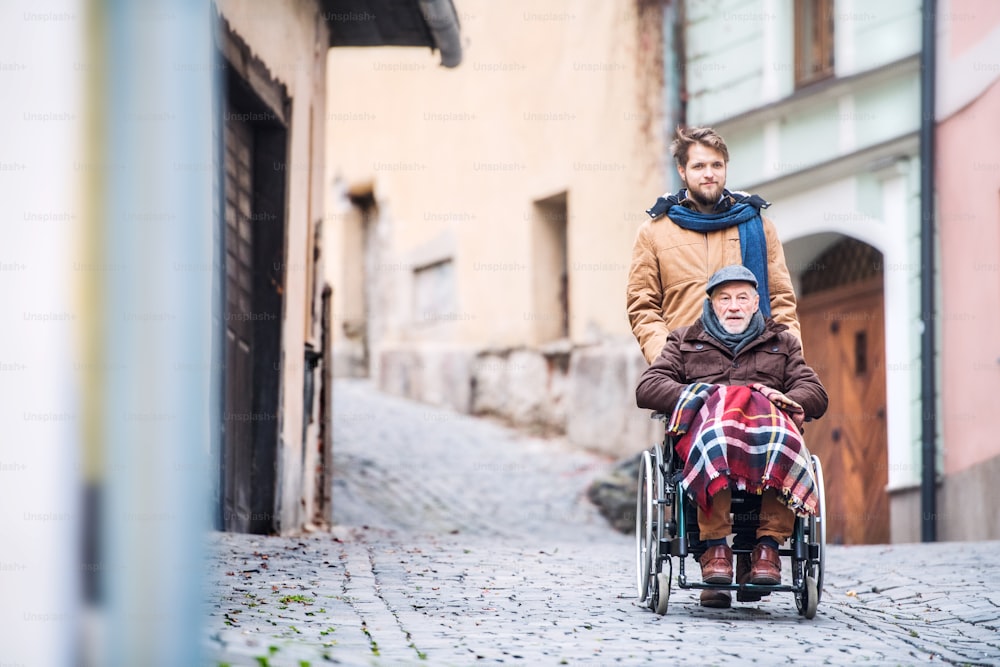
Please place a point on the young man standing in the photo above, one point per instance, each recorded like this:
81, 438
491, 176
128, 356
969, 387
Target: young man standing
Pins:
695, 232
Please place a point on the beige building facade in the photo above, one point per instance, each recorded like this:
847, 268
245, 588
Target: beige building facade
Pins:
275, 59
480, 222
272, 306
482, 218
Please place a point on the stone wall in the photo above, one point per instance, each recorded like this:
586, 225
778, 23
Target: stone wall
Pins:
967, 502
585, 393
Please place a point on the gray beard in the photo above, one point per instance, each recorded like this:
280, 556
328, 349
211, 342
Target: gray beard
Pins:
735, 342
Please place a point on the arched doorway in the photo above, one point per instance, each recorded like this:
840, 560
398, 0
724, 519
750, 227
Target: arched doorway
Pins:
841, 310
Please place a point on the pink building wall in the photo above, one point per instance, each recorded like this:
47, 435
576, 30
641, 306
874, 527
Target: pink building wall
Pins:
968, 206
969, 21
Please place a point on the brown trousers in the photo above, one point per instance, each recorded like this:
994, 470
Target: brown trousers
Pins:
776, 520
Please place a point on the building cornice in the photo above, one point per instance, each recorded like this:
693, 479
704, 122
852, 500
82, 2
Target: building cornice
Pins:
828, 90
872, 159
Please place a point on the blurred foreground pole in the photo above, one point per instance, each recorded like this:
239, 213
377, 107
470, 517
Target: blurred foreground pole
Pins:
40, 48
156, 403
928, 280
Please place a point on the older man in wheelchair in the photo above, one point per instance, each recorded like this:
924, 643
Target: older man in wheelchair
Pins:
738, 391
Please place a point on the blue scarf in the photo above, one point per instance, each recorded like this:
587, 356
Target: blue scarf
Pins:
745, 213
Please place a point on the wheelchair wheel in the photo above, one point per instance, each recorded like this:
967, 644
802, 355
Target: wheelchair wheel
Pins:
644, 527
811, 598
817, 531
811, 572
661, 593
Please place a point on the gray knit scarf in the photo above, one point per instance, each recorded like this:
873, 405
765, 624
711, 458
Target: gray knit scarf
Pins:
735, 342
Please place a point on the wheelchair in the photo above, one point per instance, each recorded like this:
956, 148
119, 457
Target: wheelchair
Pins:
666, 527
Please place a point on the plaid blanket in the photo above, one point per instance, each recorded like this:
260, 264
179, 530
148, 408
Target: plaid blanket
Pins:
734, 436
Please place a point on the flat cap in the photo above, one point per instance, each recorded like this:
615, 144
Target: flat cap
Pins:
731, 273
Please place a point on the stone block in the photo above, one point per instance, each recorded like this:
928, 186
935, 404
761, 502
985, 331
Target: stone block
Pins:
446, 378
586, 393
601, 411
521, 386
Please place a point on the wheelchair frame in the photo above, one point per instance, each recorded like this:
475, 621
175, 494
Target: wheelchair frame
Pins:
659, 538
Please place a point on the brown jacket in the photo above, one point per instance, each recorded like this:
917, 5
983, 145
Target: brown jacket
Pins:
691, 355
670, 268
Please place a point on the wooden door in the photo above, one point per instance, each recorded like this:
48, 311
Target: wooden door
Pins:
843, 335
239, 379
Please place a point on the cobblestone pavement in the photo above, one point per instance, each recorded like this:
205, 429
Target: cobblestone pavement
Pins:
459, 542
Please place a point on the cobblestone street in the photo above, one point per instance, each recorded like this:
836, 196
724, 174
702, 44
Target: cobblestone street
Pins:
461, 542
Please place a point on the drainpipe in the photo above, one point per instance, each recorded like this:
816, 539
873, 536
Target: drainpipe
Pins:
443, 24
675, 80
928, 485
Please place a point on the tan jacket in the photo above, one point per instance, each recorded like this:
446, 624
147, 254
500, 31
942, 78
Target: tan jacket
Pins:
670, 268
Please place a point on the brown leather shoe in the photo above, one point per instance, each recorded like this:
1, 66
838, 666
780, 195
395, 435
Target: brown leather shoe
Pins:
716, 599
717, 565
765, 565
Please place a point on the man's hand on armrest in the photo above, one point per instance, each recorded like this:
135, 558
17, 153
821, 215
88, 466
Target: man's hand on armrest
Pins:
794, 410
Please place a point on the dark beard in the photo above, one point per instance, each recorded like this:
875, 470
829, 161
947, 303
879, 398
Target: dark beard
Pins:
701, 199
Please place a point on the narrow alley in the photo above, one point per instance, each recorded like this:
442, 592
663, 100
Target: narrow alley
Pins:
458, 542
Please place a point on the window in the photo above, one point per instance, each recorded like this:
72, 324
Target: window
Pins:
550, 271
860, 352
434, 293
813, 41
